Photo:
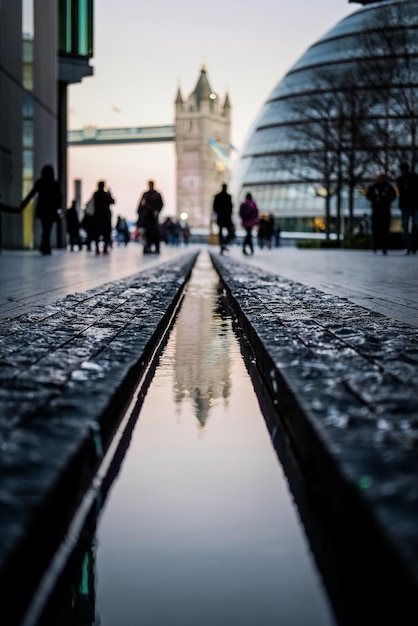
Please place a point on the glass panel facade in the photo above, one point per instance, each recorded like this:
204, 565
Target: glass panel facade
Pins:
307, 132
27, 99
84, 45
27, 17
28, 173
76, 27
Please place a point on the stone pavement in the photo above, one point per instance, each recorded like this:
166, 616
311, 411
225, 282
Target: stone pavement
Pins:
77, 330
387, 284
67, 370
344, 379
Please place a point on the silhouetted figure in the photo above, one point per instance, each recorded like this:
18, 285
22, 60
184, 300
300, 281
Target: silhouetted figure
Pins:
73, 226
269, 230
122, 231
381, 194
248, 212
185, 231
102, 217
277, 234
149, 209
407, 185
222, 206
87, 223
171, 230
48, 205
265, 230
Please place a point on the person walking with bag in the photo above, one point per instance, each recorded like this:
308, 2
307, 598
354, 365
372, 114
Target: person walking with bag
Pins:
48, 205
248, 212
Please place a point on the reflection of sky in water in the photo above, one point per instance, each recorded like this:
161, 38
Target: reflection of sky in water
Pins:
200, 527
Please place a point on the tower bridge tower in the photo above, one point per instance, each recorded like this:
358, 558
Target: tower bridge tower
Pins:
201, 122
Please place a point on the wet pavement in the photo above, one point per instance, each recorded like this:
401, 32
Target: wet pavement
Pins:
345, 382
334, 336
386, 284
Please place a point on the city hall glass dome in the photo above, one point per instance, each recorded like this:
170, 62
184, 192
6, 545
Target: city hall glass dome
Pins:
362, 77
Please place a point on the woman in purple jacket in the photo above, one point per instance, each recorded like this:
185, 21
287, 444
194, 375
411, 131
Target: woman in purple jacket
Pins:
248, 212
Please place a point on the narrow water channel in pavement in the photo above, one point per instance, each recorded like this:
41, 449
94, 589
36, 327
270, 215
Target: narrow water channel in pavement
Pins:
200, 526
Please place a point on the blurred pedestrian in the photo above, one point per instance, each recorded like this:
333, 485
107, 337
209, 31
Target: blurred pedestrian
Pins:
265, 230
186, 234
407, 185
102, 200
149, 209
171, 230
381, 194
277, 234
269, 230
73, 226
48, 205
87, 223
248, 212
222, 206
122, 231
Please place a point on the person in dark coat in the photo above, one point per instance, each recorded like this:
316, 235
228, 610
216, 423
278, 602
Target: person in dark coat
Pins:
222, 206
407, 185
248, 212
149, 209
48, 205
73, 226
381, 194
102, 217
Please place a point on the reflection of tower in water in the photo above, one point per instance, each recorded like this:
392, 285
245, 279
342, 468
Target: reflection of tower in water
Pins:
202, 356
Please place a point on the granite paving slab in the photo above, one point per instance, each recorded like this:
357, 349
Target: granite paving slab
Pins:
66, 370
344, 380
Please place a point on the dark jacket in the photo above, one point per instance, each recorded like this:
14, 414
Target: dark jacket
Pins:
249, 213
73, 223
407, 185
149, 207
102, 215
49, 198
381, 195
222, 206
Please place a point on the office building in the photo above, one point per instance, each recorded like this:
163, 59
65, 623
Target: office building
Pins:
44, 47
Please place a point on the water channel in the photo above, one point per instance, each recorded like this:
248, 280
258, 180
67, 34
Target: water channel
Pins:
199, 526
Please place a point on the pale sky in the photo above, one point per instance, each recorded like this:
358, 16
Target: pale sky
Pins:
145, 50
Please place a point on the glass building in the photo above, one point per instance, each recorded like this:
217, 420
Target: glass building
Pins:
346, 110
44, 47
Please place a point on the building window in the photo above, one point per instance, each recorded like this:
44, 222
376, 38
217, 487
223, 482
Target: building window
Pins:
27, 98
27, 17
76, 27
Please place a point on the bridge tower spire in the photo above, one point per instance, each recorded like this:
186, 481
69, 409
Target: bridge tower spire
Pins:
201, 120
